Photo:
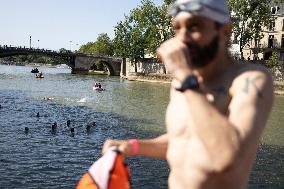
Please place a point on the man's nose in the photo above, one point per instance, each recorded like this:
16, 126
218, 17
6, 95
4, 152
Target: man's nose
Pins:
184, 36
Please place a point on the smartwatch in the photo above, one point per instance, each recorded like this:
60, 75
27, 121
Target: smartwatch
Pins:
191, 82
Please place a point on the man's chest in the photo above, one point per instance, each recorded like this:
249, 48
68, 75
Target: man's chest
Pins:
219, 97
179, 113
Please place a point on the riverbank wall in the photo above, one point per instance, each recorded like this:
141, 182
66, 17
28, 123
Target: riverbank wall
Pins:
150, 70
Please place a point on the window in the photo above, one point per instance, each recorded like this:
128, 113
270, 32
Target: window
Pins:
281, 58
270, 41
272, 26
274, 9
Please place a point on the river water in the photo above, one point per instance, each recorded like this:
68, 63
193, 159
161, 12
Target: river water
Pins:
125, 109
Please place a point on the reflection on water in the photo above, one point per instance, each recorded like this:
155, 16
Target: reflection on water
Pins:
274, 131
126, 109
268, 171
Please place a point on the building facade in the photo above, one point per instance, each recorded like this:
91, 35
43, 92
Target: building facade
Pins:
272, 41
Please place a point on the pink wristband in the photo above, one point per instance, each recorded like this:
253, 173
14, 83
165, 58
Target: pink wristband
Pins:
134, 146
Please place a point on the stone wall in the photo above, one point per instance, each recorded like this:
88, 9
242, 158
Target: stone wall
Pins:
277, 73
145, 67
152, 67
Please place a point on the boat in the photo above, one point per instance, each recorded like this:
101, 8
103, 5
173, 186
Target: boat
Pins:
98, 87
35, 70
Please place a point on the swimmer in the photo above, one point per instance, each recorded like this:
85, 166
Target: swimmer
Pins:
54, 127
72, 132
26, 130
93, 124
48, 98
88, 128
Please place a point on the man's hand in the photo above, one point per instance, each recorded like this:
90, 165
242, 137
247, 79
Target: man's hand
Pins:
123, 146
175, 55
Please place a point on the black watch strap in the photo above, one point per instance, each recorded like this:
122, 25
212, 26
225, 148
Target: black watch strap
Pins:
191, 82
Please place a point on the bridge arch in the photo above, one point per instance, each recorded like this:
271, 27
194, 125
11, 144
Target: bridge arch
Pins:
105, 64
84, 63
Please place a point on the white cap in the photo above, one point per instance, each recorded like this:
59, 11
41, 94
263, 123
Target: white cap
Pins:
216, 10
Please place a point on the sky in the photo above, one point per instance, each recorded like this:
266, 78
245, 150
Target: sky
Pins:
55, 24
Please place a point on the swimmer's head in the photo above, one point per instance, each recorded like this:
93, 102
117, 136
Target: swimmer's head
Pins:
72, 130
27, 130
216, 10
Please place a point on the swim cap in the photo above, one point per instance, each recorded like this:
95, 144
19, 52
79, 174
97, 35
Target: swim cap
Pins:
216, 10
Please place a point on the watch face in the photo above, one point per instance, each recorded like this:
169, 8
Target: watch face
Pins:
191, 82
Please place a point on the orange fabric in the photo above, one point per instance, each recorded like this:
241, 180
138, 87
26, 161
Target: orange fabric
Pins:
86, 182
117, 174
120, 175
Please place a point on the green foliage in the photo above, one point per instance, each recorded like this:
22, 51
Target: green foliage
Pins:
99, 66
273, 61
49, 60
62, 50
33, 58
250, 17
142, 31
168, 2
102, 46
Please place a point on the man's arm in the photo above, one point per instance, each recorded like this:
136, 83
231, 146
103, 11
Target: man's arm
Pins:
226, 138
154, 148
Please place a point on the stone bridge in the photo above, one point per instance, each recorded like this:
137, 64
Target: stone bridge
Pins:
79, 62
84, 63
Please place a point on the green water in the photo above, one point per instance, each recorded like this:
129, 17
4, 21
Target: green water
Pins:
274, 131
124, 110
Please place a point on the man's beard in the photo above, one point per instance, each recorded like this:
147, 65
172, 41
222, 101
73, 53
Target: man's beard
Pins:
202, 56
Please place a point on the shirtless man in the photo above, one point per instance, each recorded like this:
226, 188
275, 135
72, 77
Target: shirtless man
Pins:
218, 108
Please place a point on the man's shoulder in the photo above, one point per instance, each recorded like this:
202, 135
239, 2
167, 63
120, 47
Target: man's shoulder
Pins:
257, 76
248, 69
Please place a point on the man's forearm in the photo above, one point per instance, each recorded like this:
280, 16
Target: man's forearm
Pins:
154, 148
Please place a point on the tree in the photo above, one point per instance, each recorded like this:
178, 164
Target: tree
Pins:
127, 42
273, 61
87, 48
168, 2
250, 17
167, 31
102, 46
142, 31
122, 39
63, 50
